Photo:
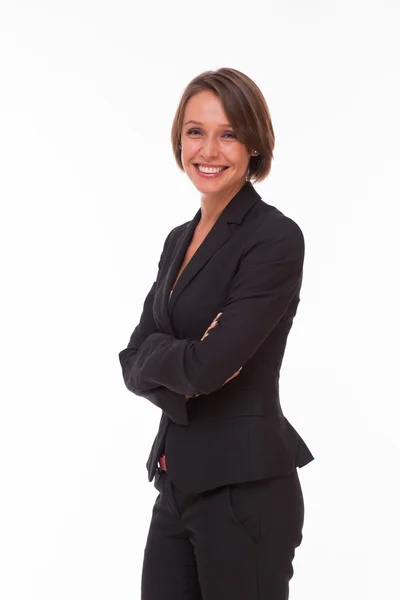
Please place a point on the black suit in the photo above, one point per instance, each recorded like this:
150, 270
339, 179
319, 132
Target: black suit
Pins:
249, 267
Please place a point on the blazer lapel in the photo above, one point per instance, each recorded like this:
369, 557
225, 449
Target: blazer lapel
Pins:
226, 224
217, 236
161, 305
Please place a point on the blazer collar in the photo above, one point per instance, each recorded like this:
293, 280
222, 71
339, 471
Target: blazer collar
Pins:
226, 224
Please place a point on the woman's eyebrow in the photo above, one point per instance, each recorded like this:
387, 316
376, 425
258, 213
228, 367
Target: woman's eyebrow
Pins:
198, 123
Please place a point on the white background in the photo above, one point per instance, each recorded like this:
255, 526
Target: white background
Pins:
88, 93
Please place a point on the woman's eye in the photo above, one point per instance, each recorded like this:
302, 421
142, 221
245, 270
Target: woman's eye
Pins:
229, 134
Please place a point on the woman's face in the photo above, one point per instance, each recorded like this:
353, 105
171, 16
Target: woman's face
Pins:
212, 157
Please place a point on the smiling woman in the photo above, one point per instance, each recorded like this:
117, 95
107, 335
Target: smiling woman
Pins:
230, 511
212, 150
225, 106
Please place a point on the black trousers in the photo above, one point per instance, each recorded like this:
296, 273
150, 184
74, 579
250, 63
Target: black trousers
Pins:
235, 542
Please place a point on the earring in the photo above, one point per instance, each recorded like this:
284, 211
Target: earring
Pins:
255, 153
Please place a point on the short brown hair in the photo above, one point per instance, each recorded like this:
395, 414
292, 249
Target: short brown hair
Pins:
246, 109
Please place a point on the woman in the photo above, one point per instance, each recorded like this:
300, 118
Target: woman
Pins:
208, 350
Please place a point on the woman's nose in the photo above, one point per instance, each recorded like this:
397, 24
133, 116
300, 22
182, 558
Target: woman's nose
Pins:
210, 148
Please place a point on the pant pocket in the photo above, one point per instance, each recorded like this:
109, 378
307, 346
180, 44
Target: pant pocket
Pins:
245, 507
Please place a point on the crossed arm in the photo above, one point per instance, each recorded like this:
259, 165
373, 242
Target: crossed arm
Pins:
268, 278
172, 403
207, 332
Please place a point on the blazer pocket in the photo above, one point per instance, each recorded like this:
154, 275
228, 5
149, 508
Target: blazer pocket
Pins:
226, 404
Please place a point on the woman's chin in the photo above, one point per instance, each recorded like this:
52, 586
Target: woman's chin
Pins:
208, 187
217, 186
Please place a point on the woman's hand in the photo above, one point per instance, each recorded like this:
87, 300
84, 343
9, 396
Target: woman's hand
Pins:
214, 324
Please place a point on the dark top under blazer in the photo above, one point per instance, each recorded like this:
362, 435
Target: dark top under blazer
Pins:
249, 267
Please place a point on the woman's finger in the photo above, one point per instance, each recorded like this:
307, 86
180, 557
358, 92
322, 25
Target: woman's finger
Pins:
213, 324
234, 375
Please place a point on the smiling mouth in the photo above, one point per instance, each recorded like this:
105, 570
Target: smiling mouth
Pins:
210, 170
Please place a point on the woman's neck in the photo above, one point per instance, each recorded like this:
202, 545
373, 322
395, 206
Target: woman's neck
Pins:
212, 205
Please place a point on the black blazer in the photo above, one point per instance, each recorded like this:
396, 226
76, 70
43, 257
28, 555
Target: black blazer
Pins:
249, 267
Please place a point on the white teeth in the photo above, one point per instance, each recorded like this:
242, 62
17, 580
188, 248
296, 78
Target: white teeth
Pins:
209, 169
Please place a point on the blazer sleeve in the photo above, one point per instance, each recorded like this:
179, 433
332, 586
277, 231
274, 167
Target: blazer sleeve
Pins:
268, 278
171, 402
